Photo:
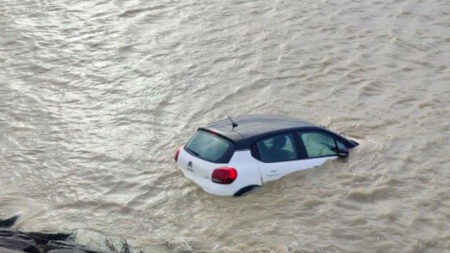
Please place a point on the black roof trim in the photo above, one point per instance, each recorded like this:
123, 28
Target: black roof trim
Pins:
252, 128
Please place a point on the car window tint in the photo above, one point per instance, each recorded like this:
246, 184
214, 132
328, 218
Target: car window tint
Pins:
277, 148
210, 147
318, 144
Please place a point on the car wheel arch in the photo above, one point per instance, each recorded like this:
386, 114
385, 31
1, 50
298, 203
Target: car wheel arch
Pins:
244, 190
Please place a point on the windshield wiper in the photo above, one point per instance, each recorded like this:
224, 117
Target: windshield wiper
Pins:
193, 152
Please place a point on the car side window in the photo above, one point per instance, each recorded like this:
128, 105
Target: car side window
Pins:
341, 146
318, 144
277, 148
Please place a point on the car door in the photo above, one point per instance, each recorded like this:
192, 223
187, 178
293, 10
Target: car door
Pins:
304, 150
277, 156
317, 147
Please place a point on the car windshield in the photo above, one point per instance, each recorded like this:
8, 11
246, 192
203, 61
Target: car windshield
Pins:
210, 147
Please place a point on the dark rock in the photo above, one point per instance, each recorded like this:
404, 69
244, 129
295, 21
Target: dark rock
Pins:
51, 245
44, 238
16, 240
99, 242
80, 241
66, 251
8, 222
5, 250
153, 249
65, 245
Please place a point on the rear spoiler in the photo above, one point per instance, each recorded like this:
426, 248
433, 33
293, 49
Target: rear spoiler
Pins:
215, 133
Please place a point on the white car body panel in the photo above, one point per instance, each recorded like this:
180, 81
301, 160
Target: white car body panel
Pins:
276, 170
247, 168
250, 171
201, 171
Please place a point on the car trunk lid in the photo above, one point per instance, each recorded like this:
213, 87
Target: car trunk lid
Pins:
204, 152
197, 167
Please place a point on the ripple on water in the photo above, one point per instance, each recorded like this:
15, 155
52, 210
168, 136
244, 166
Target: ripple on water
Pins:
97, 95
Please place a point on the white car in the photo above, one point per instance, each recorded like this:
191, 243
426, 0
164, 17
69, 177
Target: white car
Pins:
232, 156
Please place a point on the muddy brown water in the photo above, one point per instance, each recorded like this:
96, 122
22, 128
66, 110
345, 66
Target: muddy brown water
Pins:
97, 95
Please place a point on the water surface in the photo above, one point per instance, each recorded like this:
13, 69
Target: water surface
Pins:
97, 95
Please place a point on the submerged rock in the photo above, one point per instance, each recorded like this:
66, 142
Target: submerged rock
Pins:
63, 245
99, 242
66, 251
44, 238
152, 249
79, 241
7, 223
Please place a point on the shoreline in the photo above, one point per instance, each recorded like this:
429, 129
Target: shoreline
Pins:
78, 241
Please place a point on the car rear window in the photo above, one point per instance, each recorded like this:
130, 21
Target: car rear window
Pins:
210, 147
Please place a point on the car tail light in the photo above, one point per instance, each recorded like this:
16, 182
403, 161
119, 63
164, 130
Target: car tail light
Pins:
177, 153
224, 175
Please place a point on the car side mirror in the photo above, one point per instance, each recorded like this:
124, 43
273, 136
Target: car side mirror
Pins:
342, 152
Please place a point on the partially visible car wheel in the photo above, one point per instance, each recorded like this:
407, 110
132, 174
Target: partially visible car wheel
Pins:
244, 190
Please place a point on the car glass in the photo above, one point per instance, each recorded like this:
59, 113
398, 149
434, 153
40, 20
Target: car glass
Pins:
210, 147
318, 144
277, 148
341, 146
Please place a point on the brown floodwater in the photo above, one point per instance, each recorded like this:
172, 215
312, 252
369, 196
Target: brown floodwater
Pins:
97, 95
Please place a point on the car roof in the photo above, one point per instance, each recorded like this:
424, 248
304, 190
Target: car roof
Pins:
251, 128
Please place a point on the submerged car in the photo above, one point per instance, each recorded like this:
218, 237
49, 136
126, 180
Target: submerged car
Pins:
232, 156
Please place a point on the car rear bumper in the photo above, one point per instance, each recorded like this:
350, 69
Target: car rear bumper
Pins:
210, 187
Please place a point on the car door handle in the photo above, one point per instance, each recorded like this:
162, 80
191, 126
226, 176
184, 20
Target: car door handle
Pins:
273, 173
